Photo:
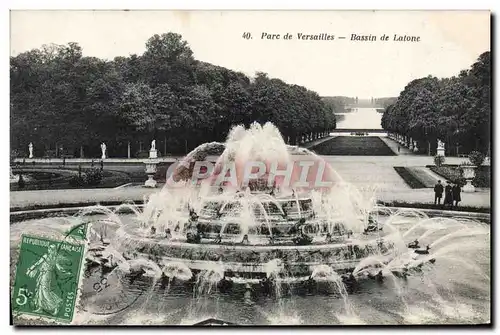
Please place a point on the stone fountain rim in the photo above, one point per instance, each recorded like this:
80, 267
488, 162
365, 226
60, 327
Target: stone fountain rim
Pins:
256, 247
30, 214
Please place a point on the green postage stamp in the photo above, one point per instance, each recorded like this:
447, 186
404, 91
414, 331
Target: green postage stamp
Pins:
47, 278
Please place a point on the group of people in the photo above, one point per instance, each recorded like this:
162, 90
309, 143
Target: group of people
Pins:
451, 193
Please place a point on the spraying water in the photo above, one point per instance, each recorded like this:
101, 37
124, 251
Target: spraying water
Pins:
270, 231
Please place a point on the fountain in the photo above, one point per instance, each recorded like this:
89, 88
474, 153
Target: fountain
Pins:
256, 215
268, 218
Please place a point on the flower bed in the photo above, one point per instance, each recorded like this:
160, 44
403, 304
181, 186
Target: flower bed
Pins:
67, 178
421, 174
409, 178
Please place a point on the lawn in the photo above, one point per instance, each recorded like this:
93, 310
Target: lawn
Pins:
415, 177
419, 173
46, 177
354, 146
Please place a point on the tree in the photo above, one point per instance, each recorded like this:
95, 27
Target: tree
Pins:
456, 110
168, 60
59, 97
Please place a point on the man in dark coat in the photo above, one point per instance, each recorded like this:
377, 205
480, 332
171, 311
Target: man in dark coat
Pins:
456, 194
438, 193
448, 194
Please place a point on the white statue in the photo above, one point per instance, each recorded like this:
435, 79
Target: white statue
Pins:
103, 149
153, 153
30, 147
440, 148
440, 144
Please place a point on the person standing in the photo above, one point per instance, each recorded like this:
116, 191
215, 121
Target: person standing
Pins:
456, 194
448, 194
438, 192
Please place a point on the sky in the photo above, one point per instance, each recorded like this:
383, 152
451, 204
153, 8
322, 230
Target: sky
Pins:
449, 42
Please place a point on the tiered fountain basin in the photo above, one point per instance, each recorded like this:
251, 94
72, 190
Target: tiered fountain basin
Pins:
245, 251
456, 289
250, 261
188, 242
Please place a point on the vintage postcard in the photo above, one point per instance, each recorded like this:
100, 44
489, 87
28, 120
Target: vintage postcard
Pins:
189, 168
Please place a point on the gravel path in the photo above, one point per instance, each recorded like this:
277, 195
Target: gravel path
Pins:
20, 199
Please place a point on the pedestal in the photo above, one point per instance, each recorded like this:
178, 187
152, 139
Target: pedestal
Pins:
153, 153
440, 148
469, 188
415, 148
150, 182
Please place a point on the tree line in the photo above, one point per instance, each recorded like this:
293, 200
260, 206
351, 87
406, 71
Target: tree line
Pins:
456, 110
60, 98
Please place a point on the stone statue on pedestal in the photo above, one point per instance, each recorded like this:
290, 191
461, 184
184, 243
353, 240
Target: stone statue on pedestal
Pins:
440, 148
153, 153
30, 147
151, 164
103, 150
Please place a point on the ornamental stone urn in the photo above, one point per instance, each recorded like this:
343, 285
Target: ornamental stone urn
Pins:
468, 173
151, 164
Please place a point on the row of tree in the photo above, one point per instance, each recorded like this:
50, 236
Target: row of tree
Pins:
61, 98
385, 102
456, 110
